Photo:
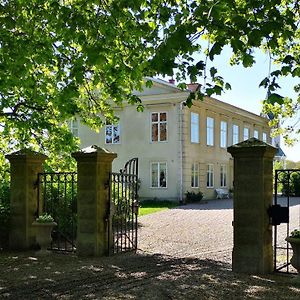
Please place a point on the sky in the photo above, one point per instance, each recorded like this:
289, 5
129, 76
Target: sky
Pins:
245, 92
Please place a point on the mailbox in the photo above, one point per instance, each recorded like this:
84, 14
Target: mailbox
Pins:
278, 214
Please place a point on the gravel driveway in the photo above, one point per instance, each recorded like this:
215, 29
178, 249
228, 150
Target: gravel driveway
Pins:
194, 230
184, 253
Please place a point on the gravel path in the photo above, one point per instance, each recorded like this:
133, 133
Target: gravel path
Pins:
194, 230
184, 253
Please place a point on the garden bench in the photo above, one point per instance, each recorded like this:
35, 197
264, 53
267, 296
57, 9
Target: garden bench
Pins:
222, 193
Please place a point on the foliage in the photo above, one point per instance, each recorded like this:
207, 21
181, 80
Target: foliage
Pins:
44, 218
60, 201
191, 197
290, 183
62, 59
4, 209
151, 206
295, 234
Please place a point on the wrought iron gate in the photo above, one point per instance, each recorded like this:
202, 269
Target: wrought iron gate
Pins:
124, 208
57, 196
285, 216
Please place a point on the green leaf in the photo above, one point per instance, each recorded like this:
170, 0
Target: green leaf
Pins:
275, 98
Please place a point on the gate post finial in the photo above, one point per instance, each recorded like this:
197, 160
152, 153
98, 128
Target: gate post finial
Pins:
253, 192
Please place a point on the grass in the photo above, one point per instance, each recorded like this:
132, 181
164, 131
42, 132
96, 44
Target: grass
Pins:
151, 206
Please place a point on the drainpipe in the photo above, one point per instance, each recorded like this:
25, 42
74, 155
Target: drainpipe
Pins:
181, 151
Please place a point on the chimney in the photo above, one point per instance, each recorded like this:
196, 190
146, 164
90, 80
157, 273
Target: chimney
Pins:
172, 80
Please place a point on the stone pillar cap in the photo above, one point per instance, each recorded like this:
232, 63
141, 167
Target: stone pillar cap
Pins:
252, 143
23, 153
93, 150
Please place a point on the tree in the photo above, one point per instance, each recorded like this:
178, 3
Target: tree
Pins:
65, 58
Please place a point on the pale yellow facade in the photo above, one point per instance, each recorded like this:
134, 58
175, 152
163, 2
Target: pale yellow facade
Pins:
176, 154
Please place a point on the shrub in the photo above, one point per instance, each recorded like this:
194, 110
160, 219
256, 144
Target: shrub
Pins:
192, 197
4, 213
290, 184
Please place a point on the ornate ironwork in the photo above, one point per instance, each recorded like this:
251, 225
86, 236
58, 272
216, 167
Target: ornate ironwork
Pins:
124, 208
57, 196
282, 218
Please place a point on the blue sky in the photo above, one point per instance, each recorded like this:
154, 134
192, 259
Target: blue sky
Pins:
245, 92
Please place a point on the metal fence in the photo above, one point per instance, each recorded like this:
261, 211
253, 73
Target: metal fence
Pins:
57, 196
285, 216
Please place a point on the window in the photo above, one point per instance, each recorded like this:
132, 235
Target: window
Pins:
73, 125
223, 134
264, 137
194, 127
112, 133
209, 131
195, 175
223, 175
255, 133
246, 133
235, 134
159, 174
159, 127
210, 176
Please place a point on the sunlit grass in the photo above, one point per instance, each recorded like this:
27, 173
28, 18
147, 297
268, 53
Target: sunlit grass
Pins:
151, 206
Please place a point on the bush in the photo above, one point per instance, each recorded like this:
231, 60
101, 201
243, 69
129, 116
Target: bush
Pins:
290, 184
4, 213
192, 197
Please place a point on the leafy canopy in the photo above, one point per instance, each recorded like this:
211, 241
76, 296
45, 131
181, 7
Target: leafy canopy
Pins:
65, 58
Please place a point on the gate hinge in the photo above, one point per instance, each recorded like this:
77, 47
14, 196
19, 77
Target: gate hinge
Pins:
278, 214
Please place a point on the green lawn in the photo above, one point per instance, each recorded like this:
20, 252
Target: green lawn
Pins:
150, 206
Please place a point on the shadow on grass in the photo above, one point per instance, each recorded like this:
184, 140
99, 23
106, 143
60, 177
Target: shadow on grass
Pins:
28, 276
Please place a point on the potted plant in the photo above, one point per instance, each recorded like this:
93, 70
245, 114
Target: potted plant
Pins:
294, 240
43, 226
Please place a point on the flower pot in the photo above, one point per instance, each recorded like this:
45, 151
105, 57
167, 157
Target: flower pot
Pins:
295, 260
43, 233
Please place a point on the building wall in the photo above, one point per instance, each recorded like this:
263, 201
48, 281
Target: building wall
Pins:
135, 129
216, 155
177, 152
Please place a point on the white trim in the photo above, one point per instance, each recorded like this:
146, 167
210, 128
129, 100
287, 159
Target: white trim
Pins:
119, 130
213, 175
210, 131
195, 126
224, 168
158, 122
195, 163
166, 174
222, 132
235, 135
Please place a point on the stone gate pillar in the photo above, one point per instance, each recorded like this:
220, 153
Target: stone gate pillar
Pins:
24, 168
94, 165
253, 192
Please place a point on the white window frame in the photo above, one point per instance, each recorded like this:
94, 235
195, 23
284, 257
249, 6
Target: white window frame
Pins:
264, 137
235, 134
74, 127
255, 133
210, 176
210, 127
195, 175
223, 134
195, 137
159, 123
159, 164
246, 133
112, 127
223, 176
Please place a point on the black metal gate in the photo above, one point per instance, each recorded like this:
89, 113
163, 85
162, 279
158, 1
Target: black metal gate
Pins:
124, 208
57, 196
285, 216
